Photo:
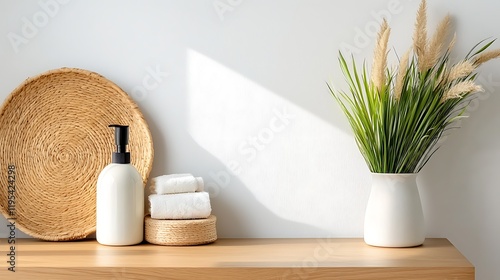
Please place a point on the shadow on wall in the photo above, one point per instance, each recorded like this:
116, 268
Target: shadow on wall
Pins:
462, 195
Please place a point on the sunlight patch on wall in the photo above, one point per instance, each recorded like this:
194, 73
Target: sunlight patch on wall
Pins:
277, 149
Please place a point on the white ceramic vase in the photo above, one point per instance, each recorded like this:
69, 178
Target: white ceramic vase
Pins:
394, 216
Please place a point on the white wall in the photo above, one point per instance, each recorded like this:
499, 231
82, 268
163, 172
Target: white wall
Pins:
259, 69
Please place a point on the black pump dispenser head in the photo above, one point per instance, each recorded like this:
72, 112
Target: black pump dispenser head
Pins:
121, 140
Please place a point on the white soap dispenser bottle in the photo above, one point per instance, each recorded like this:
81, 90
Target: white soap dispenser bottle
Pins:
120, 197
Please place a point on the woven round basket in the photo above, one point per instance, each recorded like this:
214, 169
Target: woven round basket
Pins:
54, 142
180, 232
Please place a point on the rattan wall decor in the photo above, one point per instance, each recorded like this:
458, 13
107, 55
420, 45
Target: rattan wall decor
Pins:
54, 141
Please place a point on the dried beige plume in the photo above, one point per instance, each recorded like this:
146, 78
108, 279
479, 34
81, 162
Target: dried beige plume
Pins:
436, 45
403, 65
420, 34
460, 70
452, 42
379, 65
482, 58
460, 89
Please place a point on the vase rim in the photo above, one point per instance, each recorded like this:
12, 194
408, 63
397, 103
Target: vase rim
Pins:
398, 174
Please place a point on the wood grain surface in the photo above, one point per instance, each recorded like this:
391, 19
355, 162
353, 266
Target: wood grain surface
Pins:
235, 259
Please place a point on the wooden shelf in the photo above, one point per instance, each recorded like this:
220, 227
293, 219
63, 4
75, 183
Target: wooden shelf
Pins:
235, 259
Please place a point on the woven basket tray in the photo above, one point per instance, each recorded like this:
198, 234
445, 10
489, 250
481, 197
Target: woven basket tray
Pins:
180, 232
54, 135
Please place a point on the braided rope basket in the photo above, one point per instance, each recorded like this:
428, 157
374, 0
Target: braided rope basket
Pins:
180, 232
54, 135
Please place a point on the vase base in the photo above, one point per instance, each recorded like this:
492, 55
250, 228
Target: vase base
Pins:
394, 245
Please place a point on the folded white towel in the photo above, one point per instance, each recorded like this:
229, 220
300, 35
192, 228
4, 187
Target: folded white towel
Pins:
176, 183
180, 206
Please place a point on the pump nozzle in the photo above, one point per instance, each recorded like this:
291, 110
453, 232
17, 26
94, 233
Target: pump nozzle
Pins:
121, 140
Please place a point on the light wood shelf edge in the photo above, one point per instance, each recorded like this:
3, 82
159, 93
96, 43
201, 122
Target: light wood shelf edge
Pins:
261, 259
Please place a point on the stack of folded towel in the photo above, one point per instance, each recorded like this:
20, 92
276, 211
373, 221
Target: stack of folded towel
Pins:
178, 197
